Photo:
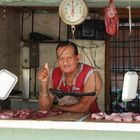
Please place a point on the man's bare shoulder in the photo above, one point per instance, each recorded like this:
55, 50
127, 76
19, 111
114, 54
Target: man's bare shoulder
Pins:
93, 82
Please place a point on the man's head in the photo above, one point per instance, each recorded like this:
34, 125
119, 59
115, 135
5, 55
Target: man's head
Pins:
68, 57
64, 44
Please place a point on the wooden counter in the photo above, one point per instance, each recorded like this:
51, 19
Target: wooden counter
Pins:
66, 116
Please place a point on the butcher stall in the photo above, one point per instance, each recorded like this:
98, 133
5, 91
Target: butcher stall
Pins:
36, 35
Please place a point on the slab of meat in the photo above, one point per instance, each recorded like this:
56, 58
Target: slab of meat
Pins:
45, 114
27, 113
108, 117
97, 116
115, 114
117, 117
137, 118
6, 114
127, 116
39, 114
23, 113
111, 19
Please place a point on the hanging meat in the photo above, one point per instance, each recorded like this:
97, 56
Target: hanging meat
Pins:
111, 19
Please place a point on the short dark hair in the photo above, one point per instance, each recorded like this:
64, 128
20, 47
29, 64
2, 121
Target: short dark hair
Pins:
66, 43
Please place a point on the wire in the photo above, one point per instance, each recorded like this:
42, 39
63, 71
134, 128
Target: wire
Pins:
95, 52
130, 32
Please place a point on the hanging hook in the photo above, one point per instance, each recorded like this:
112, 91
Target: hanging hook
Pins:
130, 19
130, 30
73, 30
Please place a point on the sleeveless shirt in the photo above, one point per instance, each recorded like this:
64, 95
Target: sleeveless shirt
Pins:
84, 71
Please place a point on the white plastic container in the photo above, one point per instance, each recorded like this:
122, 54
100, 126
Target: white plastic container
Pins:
7, 83
130, 86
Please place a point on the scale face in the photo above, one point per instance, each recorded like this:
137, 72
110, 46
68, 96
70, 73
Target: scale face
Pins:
73, 12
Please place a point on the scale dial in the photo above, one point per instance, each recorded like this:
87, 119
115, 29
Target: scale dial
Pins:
73, 12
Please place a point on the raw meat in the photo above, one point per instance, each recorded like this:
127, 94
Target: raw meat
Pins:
111, 19
108, 117
6, 114
27, 113
117, 117
137, 118
97, 116
45, 114
23, 113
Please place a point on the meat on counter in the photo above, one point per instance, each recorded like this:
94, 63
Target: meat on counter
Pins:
116, 117
27, 113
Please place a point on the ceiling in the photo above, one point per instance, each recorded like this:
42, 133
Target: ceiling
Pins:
55, 3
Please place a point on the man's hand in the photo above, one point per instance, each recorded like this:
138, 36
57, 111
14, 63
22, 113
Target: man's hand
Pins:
44, 73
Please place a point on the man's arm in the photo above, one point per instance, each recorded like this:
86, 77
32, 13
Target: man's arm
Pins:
94, 81
45, 98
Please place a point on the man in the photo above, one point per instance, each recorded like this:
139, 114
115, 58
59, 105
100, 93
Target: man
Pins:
69, 76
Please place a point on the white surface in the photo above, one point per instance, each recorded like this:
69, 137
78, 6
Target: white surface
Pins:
130, 86
7, 83
98, 126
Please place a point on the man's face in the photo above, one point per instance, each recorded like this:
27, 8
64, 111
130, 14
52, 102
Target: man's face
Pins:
67, 60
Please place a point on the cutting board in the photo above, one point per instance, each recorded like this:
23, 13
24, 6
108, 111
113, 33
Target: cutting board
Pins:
66, 116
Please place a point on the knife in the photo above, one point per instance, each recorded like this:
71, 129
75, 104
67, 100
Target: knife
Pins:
83, 117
